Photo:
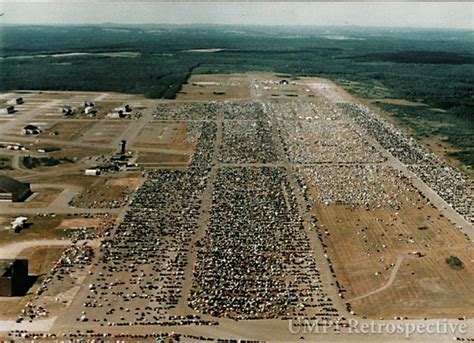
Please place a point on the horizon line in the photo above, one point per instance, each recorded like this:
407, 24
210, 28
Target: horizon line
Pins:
245, 25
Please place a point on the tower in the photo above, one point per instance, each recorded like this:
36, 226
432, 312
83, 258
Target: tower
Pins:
122, 147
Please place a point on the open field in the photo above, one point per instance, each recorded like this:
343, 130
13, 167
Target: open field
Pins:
43, 227
104, 132
154, 160
164, 135
67, 131
215, 87
366, 244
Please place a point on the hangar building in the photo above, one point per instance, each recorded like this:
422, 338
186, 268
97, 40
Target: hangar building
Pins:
13, 277
12, 190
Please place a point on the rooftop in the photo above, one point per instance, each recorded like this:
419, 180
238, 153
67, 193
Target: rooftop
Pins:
5, 265
7, 184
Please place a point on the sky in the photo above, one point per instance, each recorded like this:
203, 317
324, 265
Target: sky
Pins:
398, 14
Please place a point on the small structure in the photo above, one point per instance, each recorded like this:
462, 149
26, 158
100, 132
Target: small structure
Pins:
13, 277
15, 146
123, 144
17, 101
12, 190
90, 110
88, 104
93, 171
120, 156
283, 82
19, 224
67, 110
31, 130
116, 115
10, 109
128, 108
48, 149
112, 167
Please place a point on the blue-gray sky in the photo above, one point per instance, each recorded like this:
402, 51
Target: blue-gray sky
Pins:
402, 14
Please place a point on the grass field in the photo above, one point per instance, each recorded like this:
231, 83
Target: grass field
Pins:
364, 246
154, 160
215, 87
43, 227
68, 130
159, 134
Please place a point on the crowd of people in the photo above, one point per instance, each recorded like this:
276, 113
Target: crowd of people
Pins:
323, 141
311, 134
370, 186
247, 142
73, 259
317, 109
141, 270
82, 200
91, 335
233, 110
255, 260
451, 185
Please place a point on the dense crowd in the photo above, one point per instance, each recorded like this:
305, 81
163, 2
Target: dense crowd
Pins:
309, 142
320, 134
141, 269
233, 110
297, 110
370, 186
451, 185
255, 261
247, 142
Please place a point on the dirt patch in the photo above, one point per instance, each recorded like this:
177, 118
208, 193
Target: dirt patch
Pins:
99, 193
401, 102
68, 130
41, 259
157, 158
130, 182
80, 223
206, 50
215, 87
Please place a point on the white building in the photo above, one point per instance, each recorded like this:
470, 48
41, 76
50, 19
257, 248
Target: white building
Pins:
92, 171
90, 110
31, 130
19, 223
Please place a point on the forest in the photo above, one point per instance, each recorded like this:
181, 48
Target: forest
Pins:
431, 66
